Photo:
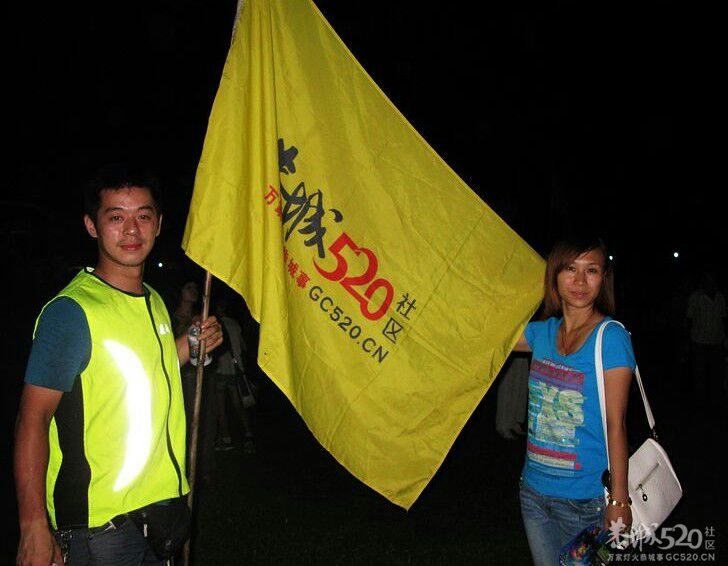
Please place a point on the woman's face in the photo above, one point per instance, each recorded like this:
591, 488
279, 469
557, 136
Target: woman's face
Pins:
190, 292
580, 282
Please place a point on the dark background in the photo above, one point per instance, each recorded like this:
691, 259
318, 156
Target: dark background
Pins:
556, 114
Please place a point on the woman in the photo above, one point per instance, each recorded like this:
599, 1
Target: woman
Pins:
186, 310
561, 489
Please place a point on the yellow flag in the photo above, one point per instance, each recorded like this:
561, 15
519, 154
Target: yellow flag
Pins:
388, 293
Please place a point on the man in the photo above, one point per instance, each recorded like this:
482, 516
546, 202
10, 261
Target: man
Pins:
100, 430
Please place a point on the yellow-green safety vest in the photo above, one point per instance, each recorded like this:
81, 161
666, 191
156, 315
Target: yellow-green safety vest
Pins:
117, 440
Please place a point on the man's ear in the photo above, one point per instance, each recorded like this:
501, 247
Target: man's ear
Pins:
90, 226
159, 226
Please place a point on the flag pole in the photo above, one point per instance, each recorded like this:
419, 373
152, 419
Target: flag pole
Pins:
196, 411
200, 369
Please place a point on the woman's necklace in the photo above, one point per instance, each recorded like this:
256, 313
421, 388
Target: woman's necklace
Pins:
568, 347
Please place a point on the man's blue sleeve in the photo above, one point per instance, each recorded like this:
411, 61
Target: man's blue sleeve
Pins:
61, 346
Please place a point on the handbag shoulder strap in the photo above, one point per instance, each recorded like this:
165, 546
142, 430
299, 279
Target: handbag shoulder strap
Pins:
235, 348
600, 383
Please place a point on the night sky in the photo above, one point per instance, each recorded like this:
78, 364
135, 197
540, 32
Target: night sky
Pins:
556, 114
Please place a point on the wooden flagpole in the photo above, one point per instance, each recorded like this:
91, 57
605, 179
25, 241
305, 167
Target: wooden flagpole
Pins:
200, 369
196, 411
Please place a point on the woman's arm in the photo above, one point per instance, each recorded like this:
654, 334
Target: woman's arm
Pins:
616, 393
522, 345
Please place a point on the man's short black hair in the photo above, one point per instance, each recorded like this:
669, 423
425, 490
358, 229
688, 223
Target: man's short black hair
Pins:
114, 176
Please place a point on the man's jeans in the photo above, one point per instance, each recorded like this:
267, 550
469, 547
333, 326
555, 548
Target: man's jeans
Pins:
118, 543
551, 522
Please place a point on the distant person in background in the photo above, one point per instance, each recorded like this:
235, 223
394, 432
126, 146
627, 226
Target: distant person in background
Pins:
706, 320
185, 312
561, 489
100, 431
230, 384
186, 307
512, 398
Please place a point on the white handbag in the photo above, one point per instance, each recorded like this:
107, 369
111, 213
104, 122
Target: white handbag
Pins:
653, 485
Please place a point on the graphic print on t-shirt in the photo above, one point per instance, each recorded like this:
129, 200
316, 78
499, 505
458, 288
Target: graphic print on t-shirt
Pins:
556, 410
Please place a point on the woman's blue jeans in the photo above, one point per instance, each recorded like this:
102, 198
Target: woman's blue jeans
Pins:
122, 545
551, 522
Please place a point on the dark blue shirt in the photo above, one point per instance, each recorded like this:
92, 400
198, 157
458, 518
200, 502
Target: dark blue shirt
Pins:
61, 346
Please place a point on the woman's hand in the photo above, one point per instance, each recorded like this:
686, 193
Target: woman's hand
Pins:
618, 519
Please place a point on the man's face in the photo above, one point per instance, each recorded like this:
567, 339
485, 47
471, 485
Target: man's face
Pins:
126, 226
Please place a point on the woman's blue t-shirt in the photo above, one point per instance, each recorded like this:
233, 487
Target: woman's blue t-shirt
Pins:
566, 452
